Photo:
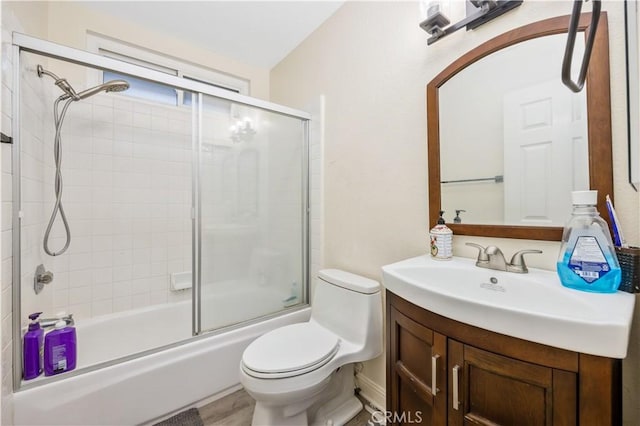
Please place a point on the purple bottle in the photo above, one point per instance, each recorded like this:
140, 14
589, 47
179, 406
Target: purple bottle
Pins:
32, 348
59, 349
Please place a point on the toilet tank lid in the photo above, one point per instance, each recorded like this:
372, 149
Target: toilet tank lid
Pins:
349, 281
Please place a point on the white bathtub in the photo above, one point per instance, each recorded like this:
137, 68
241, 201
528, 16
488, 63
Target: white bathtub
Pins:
145, 388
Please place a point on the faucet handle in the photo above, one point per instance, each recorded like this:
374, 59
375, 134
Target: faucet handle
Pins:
482, 254
517, 261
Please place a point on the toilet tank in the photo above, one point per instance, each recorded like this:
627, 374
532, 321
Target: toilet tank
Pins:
350, 306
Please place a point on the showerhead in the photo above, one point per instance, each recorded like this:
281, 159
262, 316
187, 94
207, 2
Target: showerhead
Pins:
63, 84
109, 86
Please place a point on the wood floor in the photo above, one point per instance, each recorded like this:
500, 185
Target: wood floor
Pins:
237, 409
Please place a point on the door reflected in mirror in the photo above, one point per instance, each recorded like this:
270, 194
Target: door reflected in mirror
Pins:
507, 142
516, 146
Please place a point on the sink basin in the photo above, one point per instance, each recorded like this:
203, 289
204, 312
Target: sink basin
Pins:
533, 306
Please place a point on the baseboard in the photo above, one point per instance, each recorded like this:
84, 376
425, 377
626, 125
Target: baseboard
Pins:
372, 392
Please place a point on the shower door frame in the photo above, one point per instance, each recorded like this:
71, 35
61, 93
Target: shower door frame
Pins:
22, 42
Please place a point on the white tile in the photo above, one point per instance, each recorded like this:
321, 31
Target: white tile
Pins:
103, 113
61, 280
121, 304
102, 130
122, 117
159, 269
80, 311
157, 297
142, 120
122, 273
121, 289
123, 104
141, 270
79, 295
102, 162
102, 242
102, 292
123, 133
102, 259
60, 299
80, 261
102, 276
140, 286
122, 258
102, 146
140, 300
101, 307
141, 256
81, 278
123, 242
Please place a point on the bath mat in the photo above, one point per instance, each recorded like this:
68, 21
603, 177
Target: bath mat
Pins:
190, 417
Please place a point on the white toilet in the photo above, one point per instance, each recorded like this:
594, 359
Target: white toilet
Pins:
302, 374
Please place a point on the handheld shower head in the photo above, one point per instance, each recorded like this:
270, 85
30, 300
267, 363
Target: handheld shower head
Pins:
69, 92
109, 86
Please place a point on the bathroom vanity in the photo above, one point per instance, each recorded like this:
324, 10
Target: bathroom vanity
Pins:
468, 345
482, 377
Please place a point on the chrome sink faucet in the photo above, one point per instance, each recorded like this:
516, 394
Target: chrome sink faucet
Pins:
493, 258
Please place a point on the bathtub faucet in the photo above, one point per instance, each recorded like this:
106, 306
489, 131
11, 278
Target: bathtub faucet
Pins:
51, 322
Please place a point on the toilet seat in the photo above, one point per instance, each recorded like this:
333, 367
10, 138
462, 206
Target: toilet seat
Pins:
290, 351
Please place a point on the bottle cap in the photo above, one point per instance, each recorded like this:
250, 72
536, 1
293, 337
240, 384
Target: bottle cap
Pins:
584, 198
441, 219
60, 325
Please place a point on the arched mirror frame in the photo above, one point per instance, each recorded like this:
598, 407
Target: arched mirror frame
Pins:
598, 117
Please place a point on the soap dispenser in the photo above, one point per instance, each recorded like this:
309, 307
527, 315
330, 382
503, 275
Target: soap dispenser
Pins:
32, 348
458, 219
441, 240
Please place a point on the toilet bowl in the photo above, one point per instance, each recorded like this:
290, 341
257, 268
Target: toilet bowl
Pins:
302, 374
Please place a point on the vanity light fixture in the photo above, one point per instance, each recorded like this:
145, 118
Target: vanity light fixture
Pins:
242, 131
478, 13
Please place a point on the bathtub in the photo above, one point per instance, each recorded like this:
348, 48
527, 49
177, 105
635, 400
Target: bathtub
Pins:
145, 388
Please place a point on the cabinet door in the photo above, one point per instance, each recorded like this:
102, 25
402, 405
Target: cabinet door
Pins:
416, 363
490, 389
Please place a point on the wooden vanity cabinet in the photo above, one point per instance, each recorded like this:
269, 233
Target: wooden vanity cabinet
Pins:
443, 372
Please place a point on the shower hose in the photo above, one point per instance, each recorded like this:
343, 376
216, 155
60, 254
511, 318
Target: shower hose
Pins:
57, 155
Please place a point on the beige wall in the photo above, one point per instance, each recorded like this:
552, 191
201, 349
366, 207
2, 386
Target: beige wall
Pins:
372, 63
69, 22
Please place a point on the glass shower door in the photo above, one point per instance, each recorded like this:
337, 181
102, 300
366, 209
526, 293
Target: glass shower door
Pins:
252, 209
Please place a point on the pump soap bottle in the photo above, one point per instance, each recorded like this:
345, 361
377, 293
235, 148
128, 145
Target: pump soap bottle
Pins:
441, 240
587, 260
32, 348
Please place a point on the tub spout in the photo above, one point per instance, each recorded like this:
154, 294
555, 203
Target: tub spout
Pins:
51, 322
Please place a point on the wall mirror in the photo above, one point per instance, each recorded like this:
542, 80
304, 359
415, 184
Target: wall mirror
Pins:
508, 142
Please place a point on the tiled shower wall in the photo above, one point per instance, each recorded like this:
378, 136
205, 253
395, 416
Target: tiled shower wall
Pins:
6, 373
127, 195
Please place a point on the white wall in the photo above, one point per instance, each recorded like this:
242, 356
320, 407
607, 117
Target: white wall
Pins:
28, 17
372, 63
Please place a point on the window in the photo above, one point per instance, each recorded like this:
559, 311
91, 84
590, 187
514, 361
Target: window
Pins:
158, 92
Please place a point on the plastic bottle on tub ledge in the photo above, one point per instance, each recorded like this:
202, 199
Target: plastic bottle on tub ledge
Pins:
60, 349
32, 348
587, 259
441, 240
